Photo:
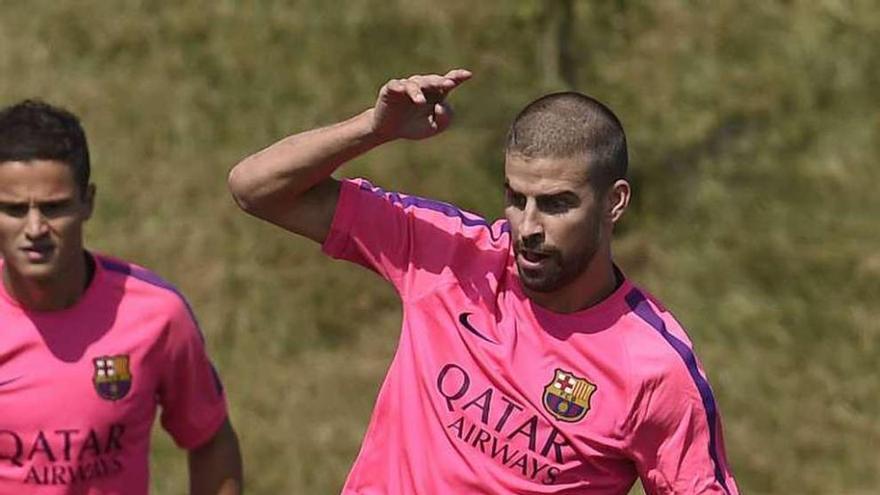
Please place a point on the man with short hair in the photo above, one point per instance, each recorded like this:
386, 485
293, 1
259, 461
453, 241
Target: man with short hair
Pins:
527, 363
90, 345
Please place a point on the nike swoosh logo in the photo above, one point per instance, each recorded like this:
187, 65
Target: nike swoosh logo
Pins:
7, 382
463, 319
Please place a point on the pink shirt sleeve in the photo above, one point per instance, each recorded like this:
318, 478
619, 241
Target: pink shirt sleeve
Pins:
674, 449
190, 393
413, 242
675, 430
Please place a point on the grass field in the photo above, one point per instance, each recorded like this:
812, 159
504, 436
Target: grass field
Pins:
754, 133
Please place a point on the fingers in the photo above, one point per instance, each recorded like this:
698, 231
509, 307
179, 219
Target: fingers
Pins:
394, 87
414, 90
407, 88
459, 75
442, 116
443, 84
426, 88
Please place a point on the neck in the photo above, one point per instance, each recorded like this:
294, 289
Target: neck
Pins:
593, 286
57, 292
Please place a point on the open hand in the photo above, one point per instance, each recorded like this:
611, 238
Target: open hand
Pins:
416, 107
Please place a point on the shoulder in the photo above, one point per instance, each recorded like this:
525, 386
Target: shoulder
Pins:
437, 214
667, 376
659, 347
141, 287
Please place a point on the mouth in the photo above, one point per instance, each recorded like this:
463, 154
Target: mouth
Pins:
533, 259
38, 253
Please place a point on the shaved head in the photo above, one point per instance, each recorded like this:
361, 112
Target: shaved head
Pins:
570, 124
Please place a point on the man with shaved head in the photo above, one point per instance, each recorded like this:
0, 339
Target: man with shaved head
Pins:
528, 363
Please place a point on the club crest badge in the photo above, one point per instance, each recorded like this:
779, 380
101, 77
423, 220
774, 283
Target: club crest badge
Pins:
112, 376
567, 396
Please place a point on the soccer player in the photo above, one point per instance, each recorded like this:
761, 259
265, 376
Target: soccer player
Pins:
90, 345
527, 363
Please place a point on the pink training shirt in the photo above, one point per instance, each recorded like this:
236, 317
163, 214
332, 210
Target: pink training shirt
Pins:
489, 393
79, 388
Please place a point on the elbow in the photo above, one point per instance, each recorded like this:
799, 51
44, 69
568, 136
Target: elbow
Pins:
241, 189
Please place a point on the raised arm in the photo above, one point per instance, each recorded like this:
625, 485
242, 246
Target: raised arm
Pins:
289, 183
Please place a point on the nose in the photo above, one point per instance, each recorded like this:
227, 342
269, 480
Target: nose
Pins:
35, 224
531, 230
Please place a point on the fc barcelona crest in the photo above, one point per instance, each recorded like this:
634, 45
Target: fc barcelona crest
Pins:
112, 376
567, 396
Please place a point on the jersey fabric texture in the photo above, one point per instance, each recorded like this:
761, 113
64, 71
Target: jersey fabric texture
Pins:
79, 388
489, 393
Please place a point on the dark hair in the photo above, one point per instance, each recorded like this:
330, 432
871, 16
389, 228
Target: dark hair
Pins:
567, 124
35, 130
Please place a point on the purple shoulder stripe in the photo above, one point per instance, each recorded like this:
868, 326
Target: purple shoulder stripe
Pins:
639, 305
434, 205
148, 277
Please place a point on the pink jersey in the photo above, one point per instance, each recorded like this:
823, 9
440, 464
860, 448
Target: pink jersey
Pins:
489, 393
79, 388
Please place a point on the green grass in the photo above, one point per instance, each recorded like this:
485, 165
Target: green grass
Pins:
754, 136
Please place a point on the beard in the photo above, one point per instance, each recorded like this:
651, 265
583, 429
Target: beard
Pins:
557, 269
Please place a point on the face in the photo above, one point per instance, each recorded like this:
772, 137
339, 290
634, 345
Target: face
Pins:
42, 211
557, 221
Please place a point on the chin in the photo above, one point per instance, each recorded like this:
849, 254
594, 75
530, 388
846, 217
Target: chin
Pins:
37, 272
540, 284
543, 287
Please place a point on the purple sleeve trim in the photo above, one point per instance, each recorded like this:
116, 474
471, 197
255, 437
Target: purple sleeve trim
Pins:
639, 305
148, 277
447, 209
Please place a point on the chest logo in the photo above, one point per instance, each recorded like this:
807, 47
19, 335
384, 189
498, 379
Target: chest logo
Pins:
567, 396
112, 376
465, 322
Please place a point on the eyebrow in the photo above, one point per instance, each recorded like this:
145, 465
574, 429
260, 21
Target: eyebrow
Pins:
566, 194
51, 201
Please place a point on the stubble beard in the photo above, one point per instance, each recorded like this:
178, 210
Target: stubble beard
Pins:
560, 272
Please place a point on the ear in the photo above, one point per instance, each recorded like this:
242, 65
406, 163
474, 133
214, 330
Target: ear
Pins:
618, 199
89, 200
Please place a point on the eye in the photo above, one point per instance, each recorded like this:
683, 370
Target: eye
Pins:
514, 199
554, 204
54, 208
14, 209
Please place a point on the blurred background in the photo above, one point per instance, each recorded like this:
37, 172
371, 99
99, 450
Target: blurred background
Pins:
755, 135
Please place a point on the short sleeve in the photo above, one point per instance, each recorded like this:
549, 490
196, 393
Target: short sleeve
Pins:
677, 444
412, 242
190, 393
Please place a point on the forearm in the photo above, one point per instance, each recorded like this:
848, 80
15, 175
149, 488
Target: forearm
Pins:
288, 168
289, 184
215, 468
